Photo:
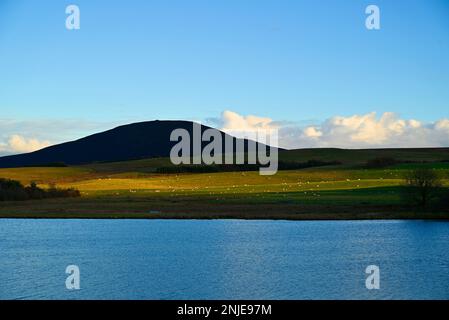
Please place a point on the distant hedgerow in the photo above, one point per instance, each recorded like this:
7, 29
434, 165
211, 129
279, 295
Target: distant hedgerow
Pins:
282, 165
11, 190
381, 162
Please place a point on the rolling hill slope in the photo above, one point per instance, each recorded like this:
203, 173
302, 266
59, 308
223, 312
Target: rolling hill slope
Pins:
129, 142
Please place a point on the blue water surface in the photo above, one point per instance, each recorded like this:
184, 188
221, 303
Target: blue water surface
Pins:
223, 259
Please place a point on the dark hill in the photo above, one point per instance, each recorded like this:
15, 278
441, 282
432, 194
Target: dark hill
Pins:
128, 142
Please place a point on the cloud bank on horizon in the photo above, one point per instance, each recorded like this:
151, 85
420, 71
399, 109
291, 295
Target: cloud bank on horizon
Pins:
369, 130
23, 136
19, 144
357, 131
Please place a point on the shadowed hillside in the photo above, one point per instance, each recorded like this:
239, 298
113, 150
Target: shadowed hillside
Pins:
129, 142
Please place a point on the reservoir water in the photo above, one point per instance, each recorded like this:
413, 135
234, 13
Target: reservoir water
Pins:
223, 259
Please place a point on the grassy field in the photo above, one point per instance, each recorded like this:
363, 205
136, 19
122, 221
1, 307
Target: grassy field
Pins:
134, 190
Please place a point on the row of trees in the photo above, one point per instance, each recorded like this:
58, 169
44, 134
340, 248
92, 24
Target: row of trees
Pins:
11, 190
282, 165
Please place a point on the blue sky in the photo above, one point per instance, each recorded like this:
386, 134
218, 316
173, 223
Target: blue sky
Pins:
298, 60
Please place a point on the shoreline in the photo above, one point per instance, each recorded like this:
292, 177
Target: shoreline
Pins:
436, 216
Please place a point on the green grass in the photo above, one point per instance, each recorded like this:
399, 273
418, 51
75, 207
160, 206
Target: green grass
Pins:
46, 175
133, 189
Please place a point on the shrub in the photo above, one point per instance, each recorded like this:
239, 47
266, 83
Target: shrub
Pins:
422, 185
12, 190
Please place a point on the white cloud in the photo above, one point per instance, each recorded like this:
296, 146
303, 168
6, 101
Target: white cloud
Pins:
442, 125
312, 132
232, 121
19, 144
20, 136
357, 131
252, 127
